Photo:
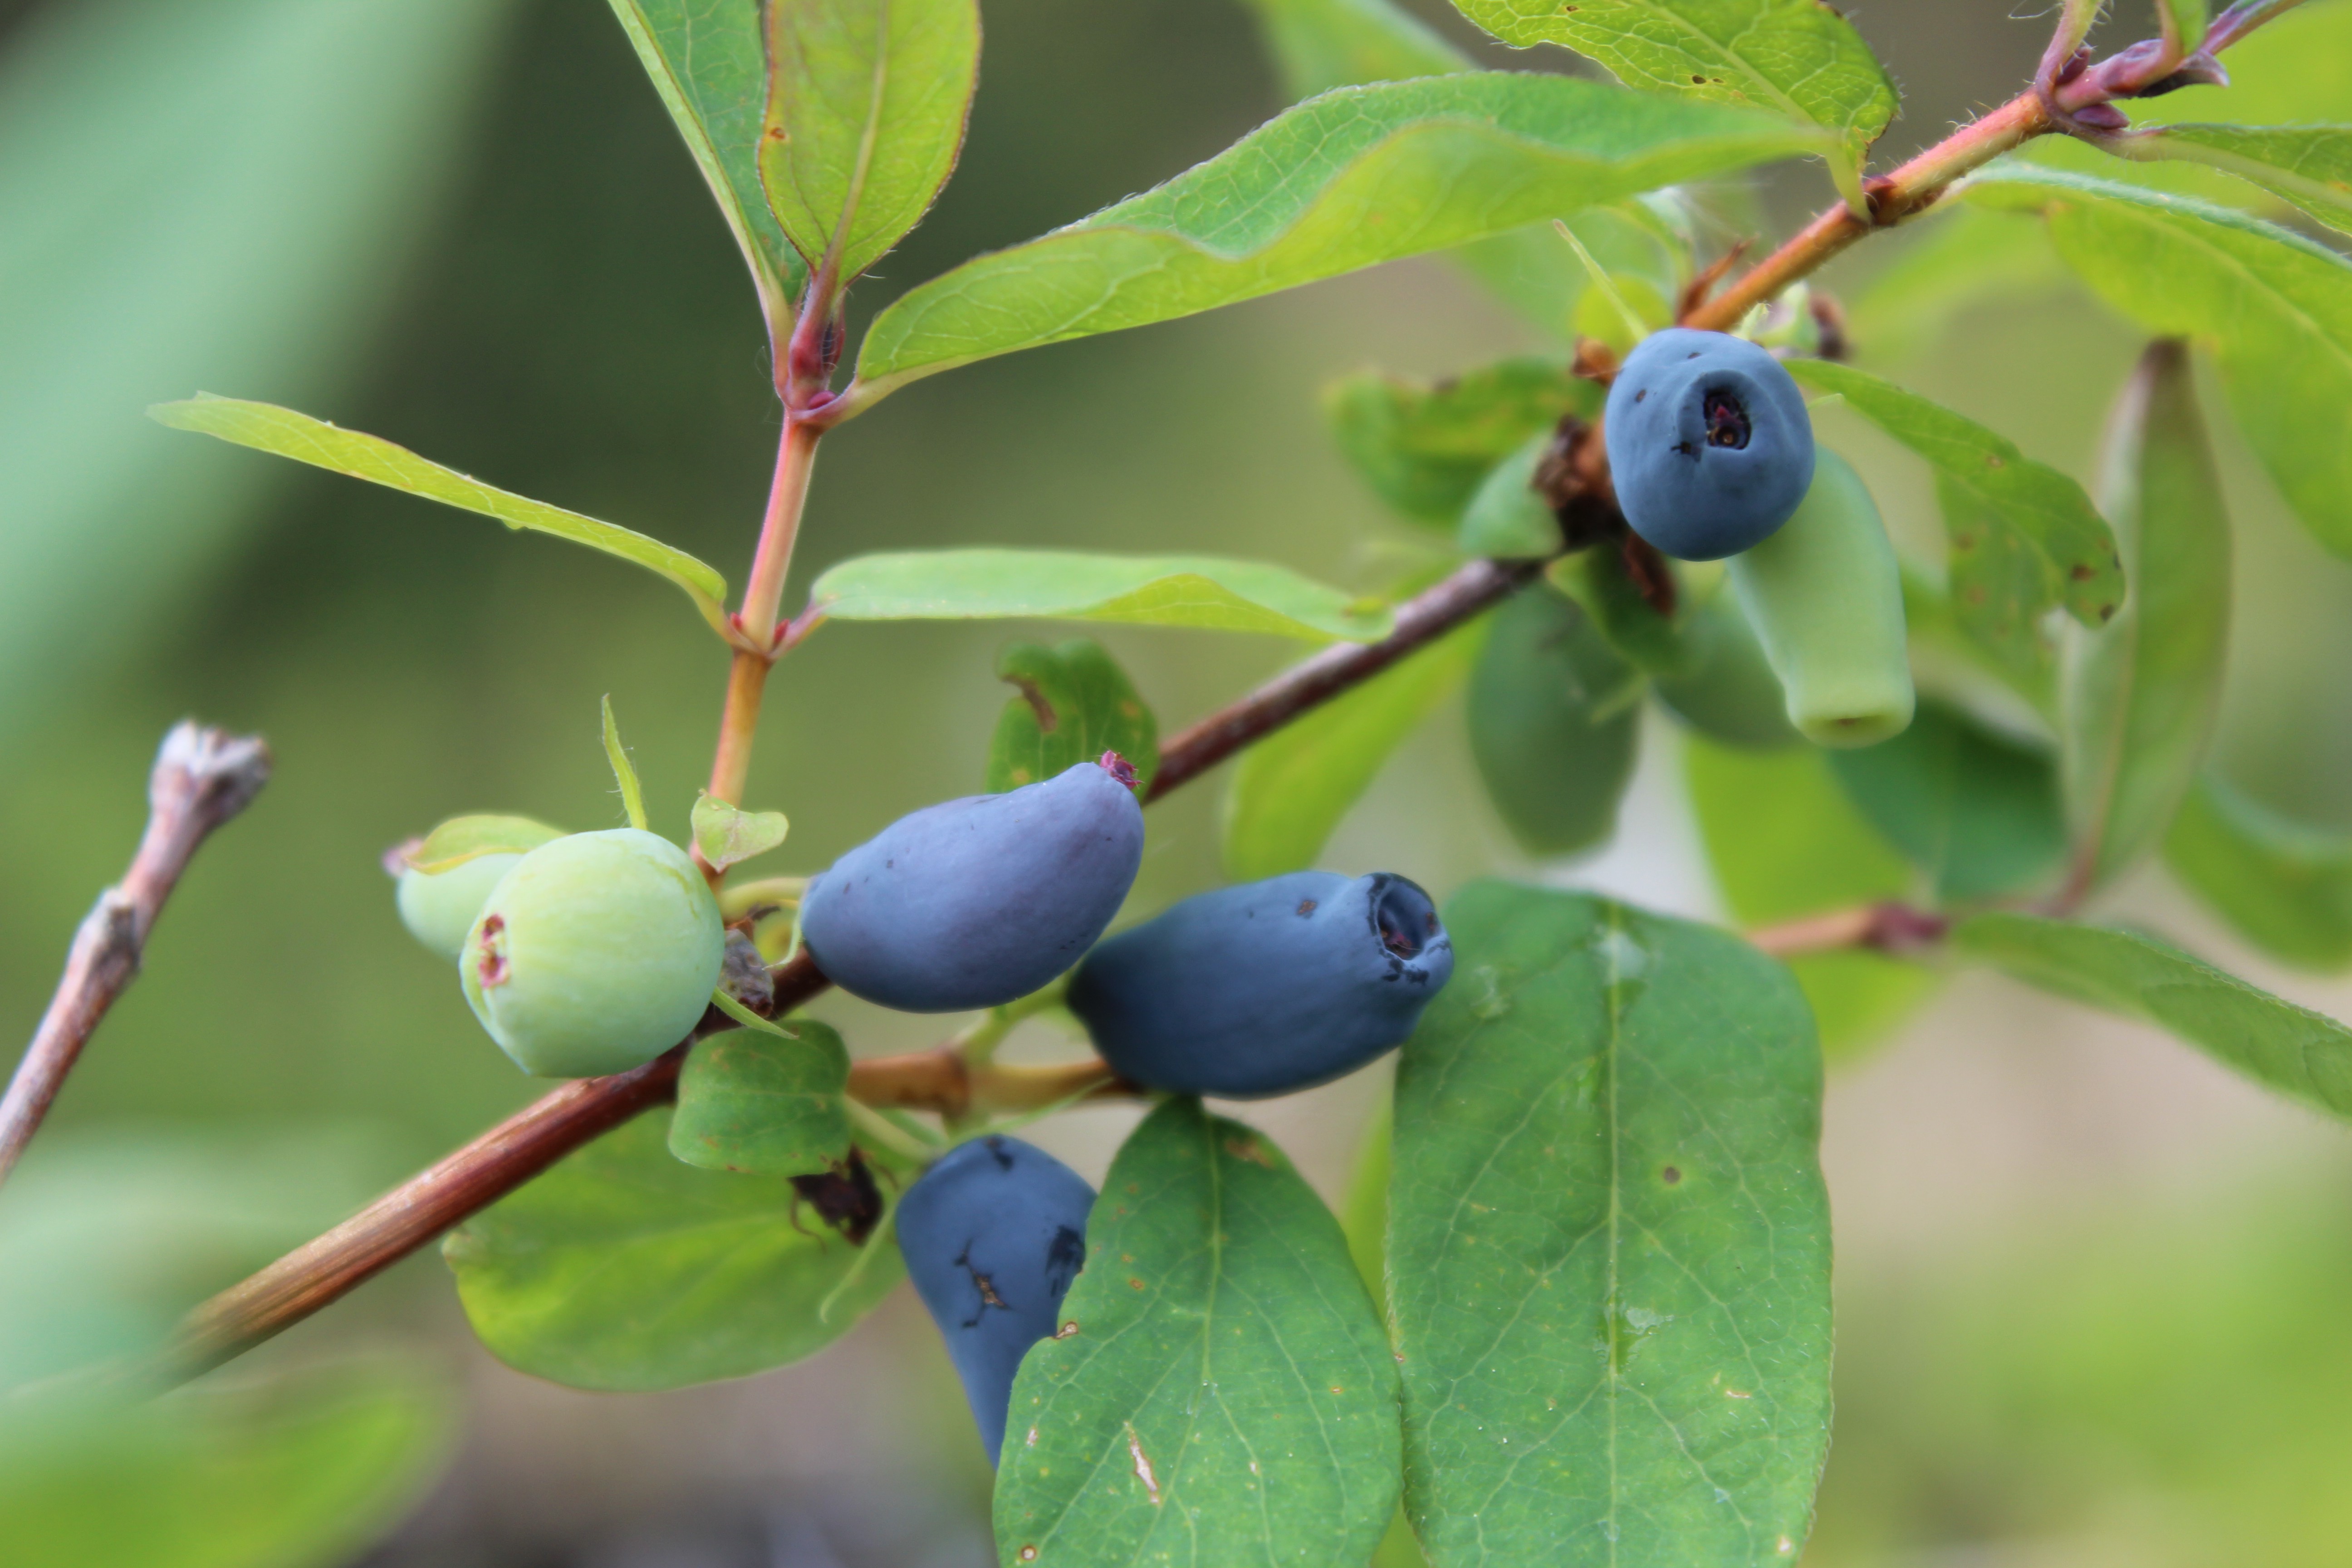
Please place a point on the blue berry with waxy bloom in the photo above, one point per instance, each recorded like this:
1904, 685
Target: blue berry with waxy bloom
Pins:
1709, 444
1267, 987
594, 954
972, 902
992, 1235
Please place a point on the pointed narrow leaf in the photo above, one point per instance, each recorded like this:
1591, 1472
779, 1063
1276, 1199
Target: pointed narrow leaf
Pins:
274, 1472
1609, 1244
728, 835
625, 773
2024, 536
1076, 703
764, 1104
266, 427
1795, 58
1221, 1391
865, 116
2282, 885
1293, 787
1975, 811
1206, 590
2309, 165
622, 1268
2300, 1053
2276, 308
1319, 45
2139, 697
464, 838
2183, 22
1356, 178
1425, 446
707, 63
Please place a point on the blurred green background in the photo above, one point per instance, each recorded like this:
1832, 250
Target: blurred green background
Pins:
2090, 1286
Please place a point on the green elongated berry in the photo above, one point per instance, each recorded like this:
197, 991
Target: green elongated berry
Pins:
1826, 596
439, 908
593, 954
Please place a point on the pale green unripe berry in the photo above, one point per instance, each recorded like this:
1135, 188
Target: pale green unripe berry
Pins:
439, 909
594, 954
1826, 596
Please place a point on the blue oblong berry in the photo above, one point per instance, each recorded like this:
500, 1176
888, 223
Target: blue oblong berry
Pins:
1267, 987
992, 1235
1709, 443
972, 902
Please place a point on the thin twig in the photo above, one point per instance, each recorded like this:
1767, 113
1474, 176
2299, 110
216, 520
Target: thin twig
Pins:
1420, 620
201, 778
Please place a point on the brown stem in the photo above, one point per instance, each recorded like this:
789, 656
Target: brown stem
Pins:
1906, 192
201, 779
325, 1269
1891, 928
1420, 620
511, 1154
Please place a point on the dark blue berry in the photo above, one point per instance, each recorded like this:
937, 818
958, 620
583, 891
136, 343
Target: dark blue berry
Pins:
992, 1235
1709, 443
975, 901
1267, 987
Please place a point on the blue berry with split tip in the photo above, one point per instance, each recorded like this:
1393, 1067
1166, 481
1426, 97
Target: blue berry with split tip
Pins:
1267, 987
594, 954
972, 902
992, 1235
1709, 444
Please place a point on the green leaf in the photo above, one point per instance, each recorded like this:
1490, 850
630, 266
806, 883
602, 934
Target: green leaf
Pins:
1507, 518
623, 1268
1975, 811
1211, 592
624, 774
764, 1104
2309, 165
1784, 841
267, 429
2183, 22
1795, 58
1725, 689
1292, 788
728, 835
2284, 885
2139, 697
707, 62
864, 115
1601, 581
1356, 178
1425, 446
1609, 1244
1319, 45
1555, 718
306, 1468
2302, 1054
1221, 1391
2024, 536
464, 838
1076, 703
1954, 259
2274, 308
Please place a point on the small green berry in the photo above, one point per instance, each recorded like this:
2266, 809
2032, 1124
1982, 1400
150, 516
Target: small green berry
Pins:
439, 908
593, 954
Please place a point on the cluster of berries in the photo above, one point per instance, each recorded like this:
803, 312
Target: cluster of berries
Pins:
593, 952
